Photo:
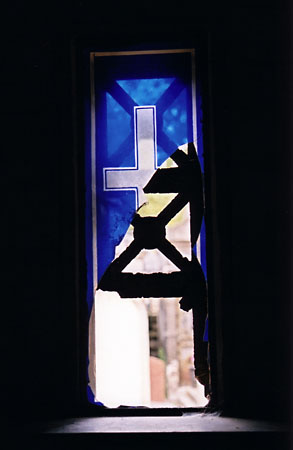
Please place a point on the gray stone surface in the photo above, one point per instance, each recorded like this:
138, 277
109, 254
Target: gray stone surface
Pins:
186, 423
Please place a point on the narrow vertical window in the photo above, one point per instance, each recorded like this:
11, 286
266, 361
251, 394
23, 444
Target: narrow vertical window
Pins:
144, 230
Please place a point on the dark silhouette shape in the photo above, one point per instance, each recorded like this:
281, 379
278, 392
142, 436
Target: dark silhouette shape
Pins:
149, 233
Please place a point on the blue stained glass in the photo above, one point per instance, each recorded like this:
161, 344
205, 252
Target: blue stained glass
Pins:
146, 91
167, 86
115, 210
175, 120
162, 155
118, 126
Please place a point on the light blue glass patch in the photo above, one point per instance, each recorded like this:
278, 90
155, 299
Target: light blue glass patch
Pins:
175, 120
146, 91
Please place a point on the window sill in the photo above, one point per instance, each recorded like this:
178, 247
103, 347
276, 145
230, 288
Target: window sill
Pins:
187, 423
193, 430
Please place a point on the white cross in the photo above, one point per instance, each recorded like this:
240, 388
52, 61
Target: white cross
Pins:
145, 142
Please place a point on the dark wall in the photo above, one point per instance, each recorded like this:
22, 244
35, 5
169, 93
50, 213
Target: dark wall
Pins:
250, 157
246, 132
